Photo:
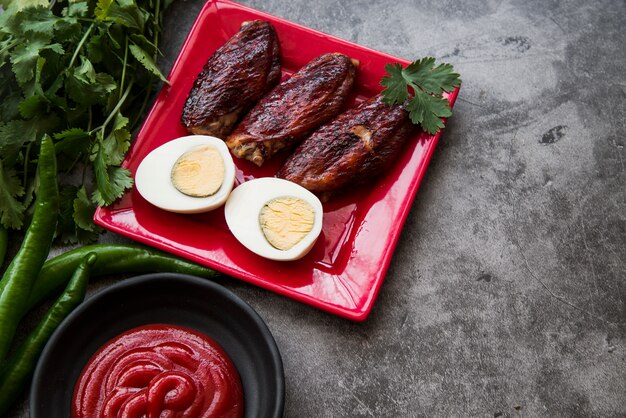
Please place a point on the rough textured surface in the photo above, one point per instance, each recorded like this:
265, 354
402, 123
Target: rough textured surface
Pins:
506, 293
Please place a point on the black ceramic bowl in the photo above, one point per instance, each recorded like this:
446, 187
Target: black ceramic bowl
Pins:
161, 298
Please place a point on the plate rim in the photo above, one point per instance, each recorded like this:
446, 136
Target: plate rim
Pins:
357, 313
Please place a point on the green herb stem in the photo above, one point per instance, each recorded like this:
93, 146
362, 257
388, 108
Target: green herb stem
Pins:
124, 69
142, 108
80, 45
157, 29
26, 158
115, 109
9, 46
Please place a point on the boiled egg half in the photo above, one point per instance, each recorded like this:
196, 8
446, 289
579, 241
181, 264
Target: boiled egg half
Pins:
274, 218
191, 174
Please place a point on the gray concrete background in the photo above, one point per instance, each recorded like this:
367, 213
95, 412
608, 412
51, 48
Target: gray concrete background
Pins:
505, 296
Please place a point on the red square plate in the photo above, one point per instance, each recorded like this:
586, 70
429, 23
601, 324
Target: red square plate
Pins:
345, 269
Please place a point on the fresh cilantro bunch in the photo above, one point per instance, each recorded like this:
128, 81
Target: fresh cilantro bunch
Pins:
423, 84
81, 72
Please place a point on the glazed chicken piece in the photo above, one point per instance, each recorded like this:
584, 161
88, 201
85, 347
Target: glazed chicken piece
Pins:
312, 96
236, 76
355, 147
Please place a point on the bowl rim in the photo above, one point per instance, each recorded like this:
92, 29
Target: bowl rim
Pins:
142, 280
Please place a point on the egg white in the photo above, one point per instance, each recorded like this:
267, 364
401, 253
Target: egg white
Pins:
244, 205
153, 176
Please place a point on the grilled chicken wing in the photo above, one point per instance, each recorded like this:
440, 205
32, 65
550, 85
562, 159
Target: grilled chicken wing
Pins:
312, 96
236, 76
355, 147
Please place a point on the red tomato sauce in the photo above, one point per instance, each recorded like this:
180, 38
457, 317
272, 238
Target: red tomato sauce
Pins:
161, 371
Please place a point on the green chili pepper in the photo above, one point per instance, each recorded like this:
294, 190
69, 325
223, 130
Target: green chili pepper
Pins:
16, 371
21, 274
4, 242
112, 259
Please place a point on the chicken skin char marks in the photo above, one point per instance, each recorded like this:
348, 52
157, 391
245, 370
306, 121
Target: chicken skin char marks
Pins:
357, 146
310, 97
233, 79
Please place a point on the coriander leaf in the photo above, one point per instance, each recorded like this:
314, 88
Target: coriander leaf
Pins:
60, 68
13, 136
75, 216
102, 9
76, 8
9, 106
70, 134
23, 4
426, 82
83, 211
117, 142
442, 78
7, 17
124, 12
72, 142
24, 59
69, 29
116, 145
144, 44
96, 48
35, 99
38, 20
146, 60
54, 87
36, 87
20, 17
395, 86
32, 105
66, 227
417, 107
111, 181
119, 179
120, 121
56, 47
422, 74
428, 110
85, 71
86, 237
11, 210
89, 93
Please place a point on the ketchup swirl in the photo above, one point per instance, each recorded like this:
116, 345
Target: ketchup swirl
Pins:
160, 371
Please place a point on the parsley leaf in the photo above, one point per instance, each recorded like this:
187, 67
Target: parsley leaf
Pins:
423, 84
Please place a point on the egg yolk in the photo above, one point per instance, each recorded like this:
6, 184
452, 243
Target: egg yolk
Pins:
199, 172
285, 221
